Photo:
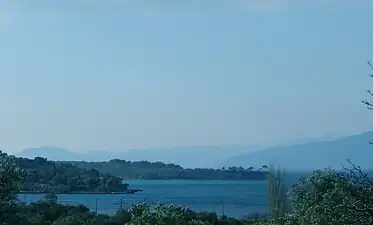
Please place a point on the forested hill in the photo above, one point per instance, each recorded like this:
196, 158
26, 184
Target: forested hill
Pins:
161, 171
42, 175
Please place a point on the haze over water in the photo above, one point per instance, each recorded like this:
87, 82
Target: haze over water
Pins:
118, 75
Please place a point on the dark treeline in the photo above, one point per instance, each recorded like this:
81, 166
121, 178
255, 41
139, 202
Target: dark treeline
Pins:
41, 175
161, 171
49, 212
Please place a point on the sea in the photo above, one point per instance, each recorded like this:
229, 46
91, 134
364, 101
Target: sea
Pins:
230, 198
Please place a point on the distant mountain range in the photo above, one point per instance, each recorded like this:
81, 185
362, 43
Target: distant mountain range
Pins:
314, 155
189, 157
298, 155
50, 152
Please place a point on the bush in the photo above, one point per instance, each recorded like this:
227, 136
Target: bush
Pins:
330, 197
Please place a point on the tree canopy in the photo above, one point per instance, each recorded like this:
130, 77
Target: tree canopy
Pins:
42, 175
161, 171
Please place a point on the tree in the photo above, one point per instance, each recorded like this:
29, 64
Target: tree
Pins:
70, 220
368, 103
10, 180
48, 176
11, 177
278, 201
331, 197
163, 214
51, 198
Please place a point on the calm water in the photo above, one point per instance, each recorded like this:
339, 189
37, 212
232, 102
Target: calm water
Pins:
234, 198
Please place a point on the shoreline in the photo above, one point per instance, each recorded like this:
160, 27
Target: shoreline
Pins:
132, 191
170, 179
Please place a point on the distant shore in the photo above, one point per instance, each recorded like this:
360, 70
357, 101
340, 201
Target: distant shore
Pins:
263, 177
132, 191
196, 179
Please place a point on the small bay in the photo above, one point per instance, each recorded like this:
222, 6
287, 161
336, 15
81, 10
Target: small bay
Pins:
233, 198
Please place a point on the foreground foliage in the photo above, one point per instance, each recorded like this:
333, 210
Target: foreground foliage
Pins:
11, 179
330, 197
51, 213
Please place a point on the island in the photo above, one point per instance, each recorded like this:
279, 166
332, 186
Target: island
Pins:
145, 170
44, 176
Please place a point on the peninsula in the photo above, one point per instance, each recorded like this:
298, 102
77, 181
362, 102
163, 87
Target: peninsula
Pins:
44, 176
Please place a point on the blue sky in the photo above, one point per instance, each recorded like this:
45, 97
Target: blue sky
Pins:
136, 74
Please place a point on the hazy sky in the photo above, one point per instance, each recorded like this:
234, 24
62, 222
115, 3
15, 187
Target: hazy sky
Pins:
120, 74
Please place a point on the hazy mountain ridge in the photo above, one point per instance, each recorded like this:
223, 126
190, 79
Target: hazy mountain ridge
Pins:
300, 155
188, 157
50, 152
314, 155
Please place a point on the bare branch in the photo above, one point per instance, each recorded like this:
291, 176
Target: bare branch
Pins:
371, 67
356, 170
369, 105
370, 64
370, 92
